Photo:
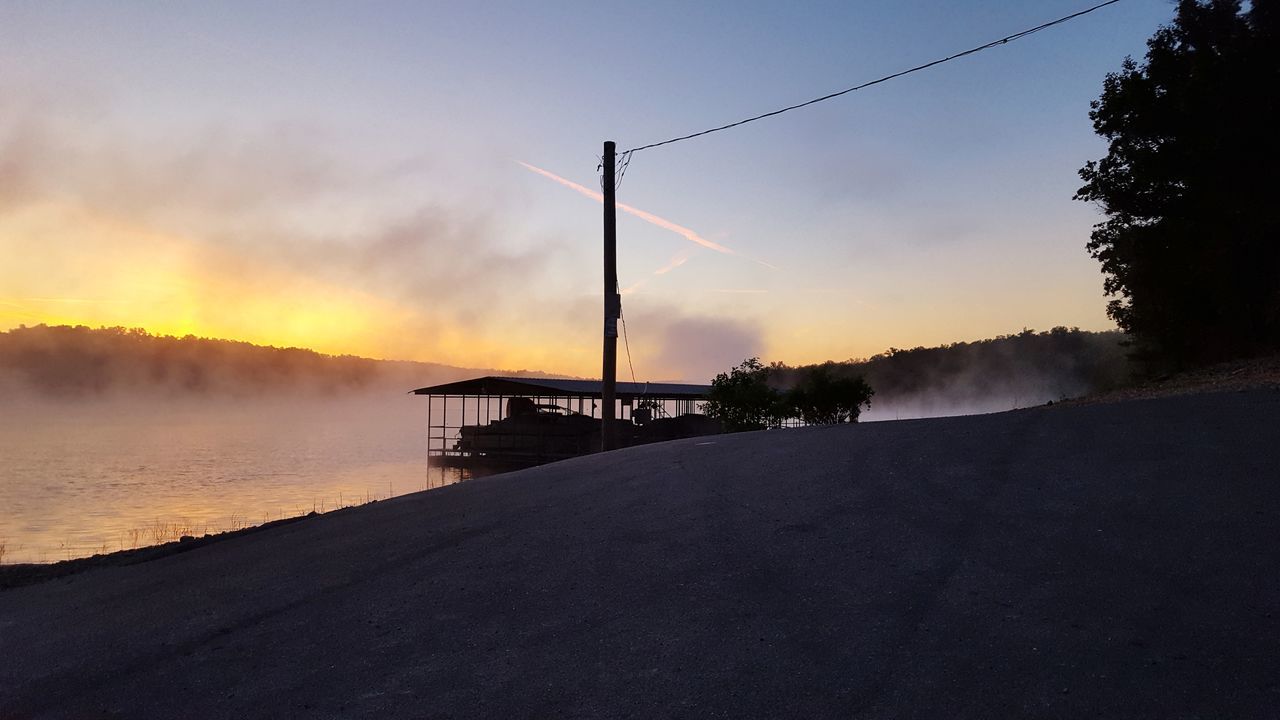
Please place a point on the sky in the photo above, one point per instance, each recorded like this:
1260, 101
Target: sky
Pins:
417, 180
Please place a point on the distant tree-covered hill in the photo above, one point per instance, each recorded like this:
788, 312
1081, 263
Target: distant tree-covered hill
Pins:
1027, 368
70, 361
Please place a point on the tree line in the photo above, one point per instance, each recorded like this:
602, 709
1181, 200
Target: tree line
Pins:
745, 399
79, 361
1020, 369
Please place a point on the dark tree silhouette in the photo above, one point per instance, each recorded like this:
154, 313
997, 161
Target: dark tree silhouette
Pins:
748, 397
822, 397
742, 398
1191, 244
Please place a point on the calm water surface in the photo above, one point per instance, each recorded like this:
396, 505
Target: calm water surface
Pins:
81, 478
78, 478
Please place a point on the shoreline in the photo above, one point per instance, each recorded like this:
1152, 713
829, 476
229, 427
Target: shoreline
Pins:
14, 575
1234, 376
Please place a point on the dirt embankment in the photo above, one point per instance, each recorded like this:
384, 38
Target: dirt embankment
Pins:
1236, 375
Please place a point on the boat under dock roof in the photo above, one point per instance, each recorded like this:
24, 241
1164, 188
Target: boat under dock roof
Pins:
474, 421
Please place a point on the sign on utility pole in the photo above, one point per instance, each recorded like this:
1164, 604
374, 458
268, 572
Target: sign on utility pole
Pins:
612, 305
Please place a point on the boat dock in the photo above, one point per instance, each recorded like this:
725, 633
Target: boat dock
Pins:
517, 421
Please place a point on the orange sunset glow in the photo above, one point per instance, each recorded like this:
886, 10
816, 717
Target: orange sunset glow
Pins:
639, 359
361, 218
172, 285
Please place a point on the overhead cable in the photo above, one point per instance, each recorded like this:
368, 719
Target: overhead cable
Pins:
627, 343
1002, 41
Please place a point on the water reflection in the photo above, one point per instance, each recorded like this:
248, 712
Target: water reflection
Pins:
79, 479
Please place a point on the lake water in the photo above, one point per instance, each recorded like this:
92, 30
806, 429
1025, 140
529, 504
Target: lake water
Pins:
84, 477
78, 478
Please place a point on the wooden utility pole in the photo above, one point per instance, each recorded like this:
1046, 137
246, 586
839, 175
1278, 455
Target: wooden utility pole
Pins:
612, 305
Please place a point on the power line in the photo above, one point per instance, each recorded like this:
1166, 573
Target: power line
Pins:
627, 343
624, 161
886, 78
620, 170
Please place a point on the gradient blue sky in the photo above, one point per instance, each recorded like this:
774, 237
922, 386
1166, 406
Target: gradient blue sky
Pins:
347, 177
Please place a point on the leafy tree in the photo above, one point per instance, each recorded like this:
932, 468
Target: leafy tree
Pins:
742, 399
823, 398
1191, 244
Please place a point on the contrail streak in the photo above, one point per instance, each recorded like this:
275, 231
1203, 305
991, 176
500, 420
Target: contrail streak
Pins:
679, 259
648, 217
676, 261
638, 284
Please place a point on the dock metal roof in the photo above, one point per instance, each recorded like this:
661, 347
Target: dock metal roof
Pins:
549, 387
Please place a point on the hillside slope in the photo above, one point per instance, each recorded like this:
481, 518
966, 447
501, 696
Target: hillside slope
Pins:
83, 362
1002, 373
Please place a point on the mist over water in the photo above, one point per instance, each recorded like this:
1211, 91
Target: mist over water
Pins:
82, 477
985, 376
113, 439
959, 398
